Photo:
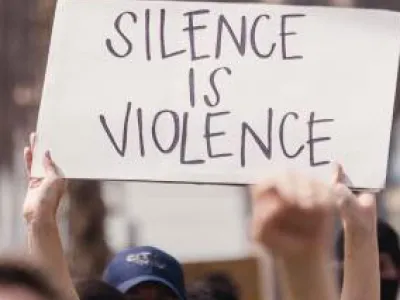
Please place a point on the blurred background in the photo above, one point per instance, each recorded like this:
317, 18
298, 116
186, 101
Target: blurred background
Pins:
203, 226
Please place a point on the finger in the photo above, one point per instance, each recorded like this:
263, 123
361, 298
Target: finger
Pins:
263, 214
259, 190
338, 175
315, 194
367, 199
289, 187
344, 197
35, 182
28, 161
49, 165
32, 141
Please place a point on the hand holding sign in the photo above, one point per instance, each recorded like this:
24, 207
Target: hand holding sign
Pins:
218, 93
358, 212
43, 195
293, 217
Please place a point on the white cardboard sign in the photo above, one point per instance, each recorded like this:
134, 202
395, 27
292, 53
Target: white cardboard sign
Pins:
218, 93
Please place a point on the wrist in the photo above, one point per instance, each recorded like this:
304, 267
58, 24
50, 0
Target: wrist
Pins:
308, 277
360, 231
356, 244
308, 258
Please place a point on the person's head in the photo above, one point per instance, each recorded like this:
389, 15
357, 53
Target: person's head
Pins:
199, 290
97, 290
214, 286
222, 286
146, 273
21, 281
389, 259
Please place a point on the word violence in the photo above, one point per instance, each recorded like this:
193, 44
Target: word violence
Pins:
179, 137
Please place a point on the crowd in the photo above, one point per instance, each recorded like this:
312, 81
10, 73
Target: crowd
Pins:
293, 218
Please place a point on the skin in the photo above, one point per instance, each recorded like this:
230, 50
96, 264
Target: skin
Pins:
40, 209
8, 292
387, 267
361, 260
293, 217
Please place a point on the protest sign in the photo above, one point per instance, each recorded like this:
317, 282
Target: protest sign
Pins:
218, 92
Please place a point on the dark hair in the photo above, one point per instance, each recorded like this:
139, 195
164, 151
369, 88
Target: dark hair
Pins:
94, 289
388, 242
223, 286
22, 274
215, 286
199, 291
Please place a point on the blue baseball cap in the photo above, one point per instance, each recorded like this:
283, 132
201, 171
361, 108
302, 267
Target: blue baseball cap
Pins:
137, 265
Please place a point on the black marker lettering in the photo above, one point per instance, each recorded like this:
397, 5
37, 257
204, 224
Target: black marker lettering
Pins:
191, 30
214, 87
312, 140
281, 136
120, 151
253, 39
117, 25
192, 87
147, 33
208, 134
267, 150
175, 140
285, 33
184, 161
140, 128
240, 45
164, 53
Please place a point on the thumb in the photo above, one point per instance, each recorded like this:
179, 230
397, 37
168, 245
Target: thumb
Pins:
338, 173
28, 161
49, 165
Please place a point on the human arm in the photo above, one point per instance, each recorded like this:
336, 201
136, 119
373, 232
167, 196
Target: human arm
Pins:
293, 218
361, 280
40, 208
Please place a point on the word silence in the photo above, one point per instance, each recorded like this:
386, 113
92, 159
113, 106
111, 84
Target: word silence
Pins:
248, 35
218, 92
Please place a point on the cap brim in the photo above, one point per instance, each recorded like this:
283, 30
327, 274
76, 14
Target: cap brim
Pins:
127, 285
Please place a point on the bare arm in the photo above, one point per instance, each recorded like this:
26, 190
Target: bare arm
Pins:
361, 279
308, 278
361, 266
40, 208
44, 245
293, 218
